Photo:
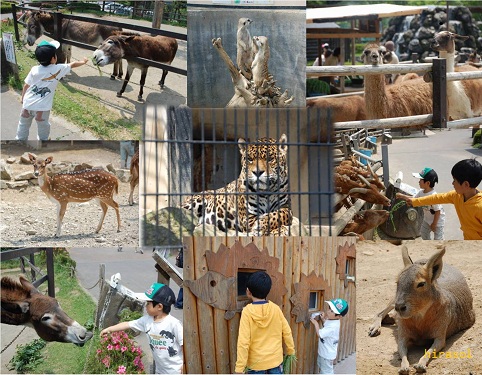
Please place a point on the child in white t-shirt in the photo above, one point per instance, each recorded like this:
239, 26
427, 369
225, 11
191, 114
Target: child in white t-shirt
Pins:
163, 330
329, 333
39, 89
434, 215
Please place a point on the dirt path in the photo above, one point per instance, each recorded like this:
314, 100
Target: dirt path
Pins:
378, 264
29, 219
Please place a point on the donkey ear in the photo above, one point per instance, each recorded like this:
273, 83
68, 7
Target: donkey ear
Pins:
28, 286
17, 307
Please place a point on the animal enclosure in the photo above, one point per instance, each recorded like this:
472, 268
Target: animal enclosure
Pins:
198, 154
306, 271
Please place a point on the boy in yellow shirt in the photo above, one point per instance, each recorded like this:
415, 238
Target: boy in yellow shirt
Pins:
467, 200
262, 331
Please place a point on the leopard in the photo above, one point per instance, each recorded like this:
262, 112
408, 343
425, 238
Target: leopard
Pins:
258, 202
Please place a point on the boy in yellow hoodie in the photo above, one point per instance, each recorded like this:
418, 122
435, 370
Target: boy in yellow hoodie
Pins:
262, 331
467, 200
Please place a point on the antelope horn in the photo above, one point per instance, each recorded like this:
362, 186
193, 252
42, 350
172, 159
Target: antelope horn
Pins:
358, 190
364, 180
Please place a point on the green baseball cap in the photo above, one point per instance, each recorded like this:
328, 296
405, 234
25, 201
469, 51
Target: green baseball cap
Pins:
338, 306
158, 293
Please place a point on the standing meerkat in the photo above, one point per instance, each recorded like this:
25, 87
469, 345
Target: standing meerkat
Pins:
244, 45
260, 62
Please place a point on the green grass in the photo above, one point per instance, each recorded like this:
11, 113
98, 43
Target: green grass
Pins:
79, 107
62, 358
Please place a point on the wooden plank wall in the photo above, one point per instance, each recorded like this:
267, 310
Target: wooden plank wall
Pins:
210, 340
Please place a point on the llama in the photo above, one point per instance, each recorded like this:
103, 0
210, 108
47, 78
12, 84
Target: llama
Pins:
409, 98
459, 106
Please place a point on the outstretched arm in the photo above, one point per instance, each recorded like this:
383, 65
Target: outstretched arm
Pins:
76, 64
118, 327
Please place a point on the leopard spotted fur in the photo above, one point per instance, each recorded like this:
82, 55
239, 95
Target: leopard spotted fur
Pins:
258, 202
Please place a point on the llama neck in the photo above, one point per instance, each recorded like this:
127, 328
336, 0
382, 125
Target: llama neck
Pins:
450, 57
375, 96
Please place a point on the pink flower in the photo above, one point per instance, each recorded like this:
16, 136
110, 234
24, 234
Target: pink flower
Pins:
121, 370
123, 349
106, 361
110, 347
117, 347
99, 351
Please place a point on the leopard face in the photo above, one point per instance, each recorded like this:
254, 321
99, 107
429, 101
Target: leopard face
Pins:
264, 164
263, 205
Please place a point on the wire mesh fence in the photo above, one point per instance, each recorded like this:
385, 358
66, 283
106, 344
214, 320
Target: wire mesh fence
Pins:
234, 172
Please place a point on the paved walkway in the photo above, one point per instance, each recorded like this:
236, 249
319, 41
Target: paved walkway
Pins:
440, 150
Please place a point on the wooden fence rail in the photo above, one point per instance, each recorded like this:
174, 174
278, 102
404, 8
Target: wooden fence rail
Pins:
441, 77
49, 277
58, 17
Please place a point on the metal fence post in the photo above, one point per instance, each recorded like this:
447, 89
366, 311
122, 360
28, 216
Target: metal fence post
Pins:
439, 71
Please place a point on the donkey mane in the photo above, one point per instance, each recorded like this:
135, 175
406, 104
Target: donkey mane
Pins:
13, 290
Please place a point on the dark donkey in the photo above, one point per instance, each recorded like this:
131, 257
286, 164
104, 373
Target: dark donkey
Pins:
23, 304
127, 45
79, 31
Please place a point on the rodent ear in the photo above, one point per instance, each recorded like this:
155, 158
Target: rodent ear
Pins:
407, 261
434, 265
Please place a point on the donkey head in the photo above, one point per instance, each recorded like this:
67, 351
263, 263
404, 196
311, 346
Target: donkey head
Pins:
23, 304
37, 24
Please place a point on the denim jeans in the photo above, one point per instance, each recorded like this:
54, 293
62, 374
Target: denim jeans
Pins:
26, 118
274, 370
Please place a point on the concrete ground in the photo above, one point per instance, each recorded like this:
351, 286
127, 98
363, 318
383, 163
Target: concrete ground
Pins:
440, 150
346, 366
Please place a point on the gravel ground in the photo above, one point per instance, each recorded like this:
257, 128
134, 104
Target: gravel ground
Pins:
29, 219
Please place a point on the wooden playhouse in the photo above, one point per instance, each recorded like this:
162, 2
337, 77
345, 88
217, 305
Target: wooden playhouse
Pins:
305, 272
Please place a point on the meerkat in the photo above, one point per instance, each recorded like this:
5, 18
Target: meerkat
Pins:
244, 43
260, 62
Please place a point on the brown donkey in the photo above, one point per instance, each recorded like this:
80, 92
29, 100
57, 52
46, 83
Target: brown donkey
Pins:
23, 304
80, 186
134, 181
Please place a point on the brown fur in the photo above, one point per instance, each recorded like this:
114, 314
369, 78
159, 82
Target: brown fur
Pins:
473, 89
409, 98
79, 31
134, 176
433, 301
349, 108
80, 186
23, 304
157, 48
366, 220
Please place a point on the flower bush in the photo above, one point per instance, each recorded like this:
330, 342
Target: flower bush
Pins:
117, 353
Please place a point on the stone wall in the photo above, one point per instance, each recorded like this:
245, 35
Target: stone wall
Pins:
412, 34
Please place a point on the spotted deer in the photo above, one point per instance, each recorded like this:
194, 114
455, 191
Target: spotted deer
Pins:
79, 186
134, 181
